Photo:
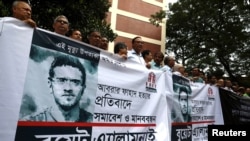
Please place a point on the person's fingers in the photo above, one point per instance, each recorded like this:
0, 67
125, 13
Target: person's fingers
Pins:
31, 23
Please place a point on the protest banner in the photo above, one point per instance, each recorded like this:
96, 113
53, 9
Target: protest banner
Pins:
236, 109
56, 88
194, 107
124, 99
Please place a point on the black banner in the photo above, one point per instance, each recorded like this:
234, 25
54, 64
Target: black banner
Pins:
54, 132
235, 109
63, 44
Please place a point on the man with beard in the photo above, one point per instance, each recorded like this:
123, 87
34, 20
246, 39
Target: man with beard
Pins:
66, 81
184, 104
156, 63
181, 108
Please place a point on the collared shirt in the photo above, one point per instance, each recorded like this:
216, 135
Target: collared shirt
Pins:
154, 66
132, 55
197, 80
177, 73
166, 68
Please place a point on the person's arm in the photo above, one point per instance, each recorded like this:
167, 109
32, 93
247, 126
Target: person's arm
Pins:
148, 65
30, 22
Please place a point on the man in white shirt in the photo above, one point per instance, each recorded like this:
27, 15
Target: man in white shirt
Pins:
22, 11
135, 52
179, 69
169, 63
61, 25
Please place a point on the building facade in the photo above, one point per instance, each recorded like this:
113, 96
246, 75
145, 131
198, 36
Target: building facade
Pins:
130, 18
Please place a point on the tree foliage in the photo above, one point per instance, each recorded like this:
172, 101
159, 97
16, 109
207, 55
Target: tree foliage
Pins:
157, 18
211, 34
82, 14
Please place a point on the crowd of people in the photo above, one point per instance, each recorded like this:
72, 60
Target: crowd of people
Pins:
157, 61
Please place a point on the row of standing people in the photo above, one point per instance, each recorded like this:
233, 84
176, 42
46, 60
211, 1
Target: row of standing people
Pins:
66, 81
195, 75
67, 109
68, 88
94, 37
158, 61
229, 85
22, 10
213, 80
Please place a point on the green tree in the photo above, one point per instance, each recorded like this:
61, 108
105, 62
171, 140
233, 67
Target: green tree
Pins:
156, 19
210, 34
82, 14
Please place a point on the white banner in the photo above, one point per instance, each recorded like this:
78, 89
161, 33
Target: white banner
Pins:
194, 107
15, 42
53, 88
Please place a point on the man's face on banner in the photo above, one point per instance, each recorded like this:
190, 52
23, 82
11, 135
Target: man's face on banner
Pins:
183, 101
66, 86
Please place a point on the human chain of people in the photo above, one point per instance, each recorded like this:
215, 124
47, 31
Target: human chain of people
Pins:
156, 61
63, 83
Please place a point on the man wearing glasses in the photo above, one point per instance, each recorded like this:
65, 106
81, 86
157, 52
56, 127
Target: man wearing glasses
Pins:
61, 25
66, 81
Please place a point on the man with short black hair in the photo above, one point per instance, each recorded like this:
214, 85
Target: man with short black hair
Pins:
94, 38
196, 76
67, 82
104, 43
156, 63
184, 103
135, 53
